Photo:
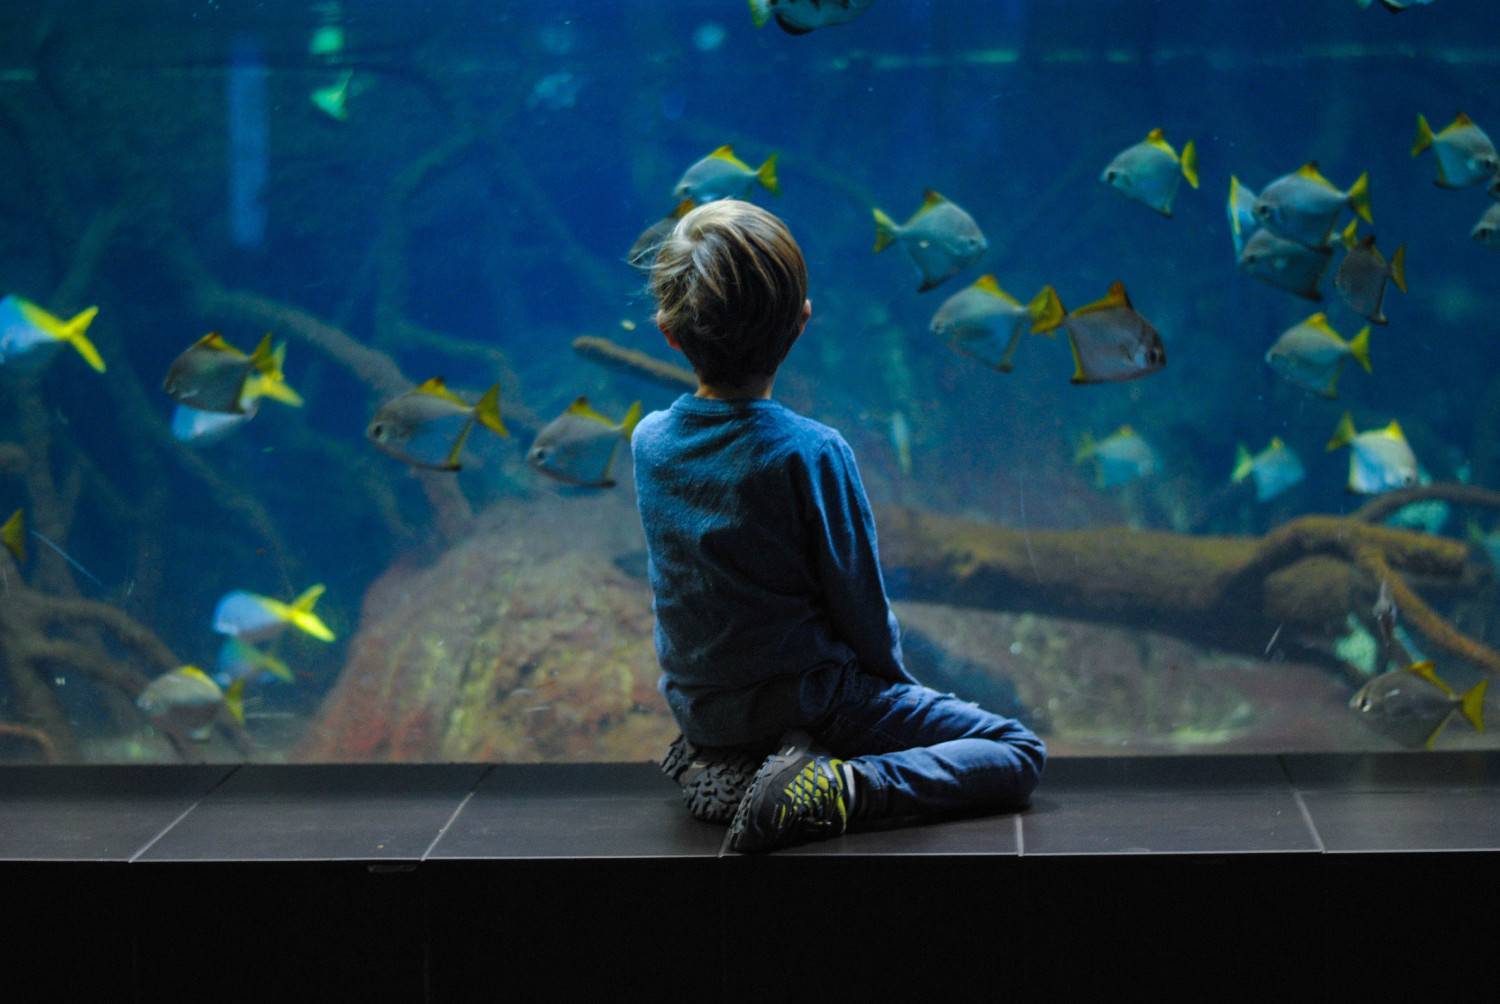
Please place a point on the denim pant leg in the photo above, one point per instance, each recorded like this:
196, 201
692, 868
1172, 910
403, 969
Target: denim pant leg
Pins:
922, 752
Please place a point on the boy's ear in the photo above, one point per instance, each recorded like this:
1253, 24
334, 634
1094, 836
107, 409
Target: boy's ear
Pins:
671, 339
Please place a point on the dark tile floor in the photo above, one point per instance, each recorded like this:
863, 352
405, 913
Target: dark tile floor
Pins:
403, 814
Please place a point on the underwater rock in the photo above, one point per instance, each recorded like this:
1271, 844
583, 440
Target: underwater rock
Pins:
523, 642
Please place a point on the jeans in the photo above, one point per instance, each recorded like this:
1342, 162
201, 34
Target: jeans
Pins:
921, 752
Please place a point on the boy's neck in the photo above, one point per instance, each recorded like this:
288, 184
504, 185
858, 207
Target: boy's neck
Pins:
754, 390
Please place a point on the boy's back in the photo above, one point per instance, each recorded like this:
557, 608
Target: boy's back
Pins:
763, 566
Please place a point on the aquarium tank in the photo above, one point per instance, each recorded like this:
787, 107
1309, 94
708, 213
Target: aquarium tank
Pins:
1164, 335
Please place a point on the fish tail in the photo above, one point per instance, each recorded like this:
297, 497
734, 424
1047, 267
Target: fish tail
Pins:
309, 597
310, 623
631, 420
73, 331
760, 12
1086, 448
1189, 163
1472, 705
1398, 268
1344, 434
885, 231
488, 412
1424, 136
1243, 464
1359, 347
1359, 198
1350, 234
1046, 312
13, 534
234, 700
766, 175
276, 667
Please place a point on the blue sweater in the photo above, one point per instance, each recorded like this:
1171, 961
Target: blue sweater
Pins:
763, 567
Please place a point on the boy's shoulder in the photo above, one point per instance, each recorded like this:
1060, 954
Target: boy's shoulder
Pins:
773, 420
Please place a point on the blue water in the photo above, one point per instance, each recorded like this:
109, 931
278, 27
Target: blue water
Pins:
583, 116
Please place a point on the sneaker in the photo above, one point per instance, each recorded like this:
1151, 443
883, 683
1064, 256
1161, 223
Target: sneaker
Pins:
796, 796
713, 781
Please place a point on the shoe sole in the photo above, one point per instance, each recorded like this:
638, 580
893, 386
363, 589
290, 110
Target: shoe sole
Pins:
740, 837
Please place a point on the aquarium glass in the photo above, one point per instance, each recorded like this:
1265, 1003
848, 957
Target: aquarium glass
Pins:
1196, 451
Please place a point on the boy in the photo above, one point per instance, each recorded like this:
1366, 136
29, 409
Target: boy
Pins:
771, 614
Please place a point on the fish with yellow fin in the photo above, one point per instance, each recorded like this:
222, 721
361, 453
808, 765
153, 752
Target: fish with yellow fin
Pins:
212, 375
1379, 459
1151, 171
1487, 230
1242, 221
986, 322
642, 253
1111, 341
185, 703
941, 238
1119, 458
722, 175
252, 617
1413, 705
578, 447
1285, 264
1312, 354
30, 336
240, 659
1363, 274
1465, 154
427, 426
13, 536
1275, 469
1304, 206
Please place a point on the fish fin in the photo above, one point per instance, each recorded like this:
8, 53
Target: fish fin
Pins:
1359, 198
1332, 390
310, 623
726, 152
1046, 312
1243, 464
1359, 347
1398, 268
276, 667
1432, 738
1156, 137
453, 462
1461, 119
1394, 431
195, 673
1320, 322
1428, 672
1344, 433
990, 286
790, 29
1116, 297
1189, 163
234, 700
13, 535
488, 411
1079, 375
683, 208
631, 420
1424, 136
930, 199
263, 359
1348, 234
1311, 173
1086, 448
273, 383
885, 231
766, 175
309, 597
1472, 704
760, 12
581, 408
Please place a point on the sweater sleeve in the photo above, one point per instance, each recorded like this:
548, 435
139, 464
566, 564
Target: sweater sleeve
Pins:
848, 565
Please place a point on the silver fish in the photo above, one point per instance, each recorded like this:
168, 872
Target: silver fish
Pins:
1363, 274
1487, 230
427, 426
185, 703
1413, 705
212, 375
1465, 155
1111, 341
1311, 354
941, 238
30, 336
985, 322
642, 253
1275, 469
1121, 457
578, 447
1241, 206
1379, 459
1303, 206
1285, 264
1150, 172
722, 175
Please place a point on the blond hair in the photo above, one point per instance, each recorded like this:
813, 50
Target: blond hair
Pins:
729, 282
